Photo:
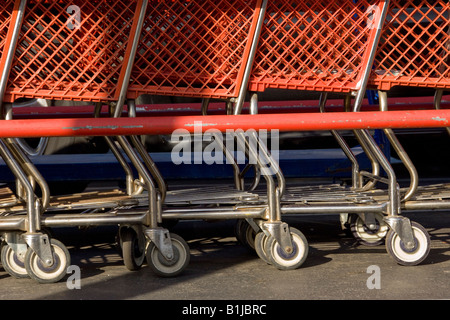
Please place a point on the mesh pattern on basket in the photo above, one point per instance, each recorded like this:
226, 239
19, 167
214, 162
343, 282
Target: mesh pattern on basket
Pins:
194, 48
53, 61
6, 8
313, 45
415, 45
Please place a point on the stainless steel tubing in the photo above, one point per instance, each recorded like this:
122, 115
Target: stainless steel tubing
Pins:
271, 188
393, 188
29, 168
356, 177
334, 209
273, 164
375, 165
238, 179
406, 160
32, 213
139, 216
369, 65
13, 223
437, 101
152, 218
140, 148
17, 149
253, 103
427, 205
130, 62
248, 68
152, 221
372, 158
106, 219
212, 214
205, 105
129, 177
151, 166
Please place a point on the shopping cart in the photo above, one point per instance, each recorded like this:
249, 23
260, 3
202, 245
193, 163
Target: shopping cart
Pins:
112, 52
346, 47
77, 51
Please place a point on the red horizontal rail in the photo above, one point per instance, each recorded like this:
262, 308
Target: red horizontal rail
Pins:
193, 124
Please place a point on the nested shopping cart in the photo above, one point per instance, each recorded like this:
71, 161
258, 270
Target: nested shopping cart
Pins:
77, 51
343, 47
414, 52
320, 46
111, 52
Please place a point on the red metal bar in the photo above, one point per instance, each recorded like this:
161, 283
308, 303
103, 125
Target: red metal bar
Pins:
197, 124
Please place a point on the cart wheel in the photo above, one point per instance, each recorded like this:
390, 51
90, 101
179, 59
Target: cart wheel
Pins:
409, 257
43, 274
12, 263
245, 234
291, 261
261, 241
133, 252
365, 235
169, 268
238, 232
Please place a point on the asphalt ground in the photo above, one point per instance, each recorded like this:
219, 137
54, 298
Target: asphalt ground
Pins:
222, 269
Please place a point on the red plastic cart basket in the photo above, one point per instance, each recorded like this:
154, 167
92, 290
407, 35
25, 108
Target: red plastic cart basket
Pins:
414, 47
6, 9
58, 58
315, 45
195, 48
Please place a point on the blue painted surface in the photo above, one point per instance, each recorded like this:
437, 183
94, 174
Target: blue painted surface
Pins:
293, 163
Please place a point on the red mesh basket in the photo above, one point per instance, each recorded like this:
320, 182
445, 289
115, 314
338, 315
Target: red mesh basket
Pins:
6, 9
415, 45
53, 61
195, 48
314, 45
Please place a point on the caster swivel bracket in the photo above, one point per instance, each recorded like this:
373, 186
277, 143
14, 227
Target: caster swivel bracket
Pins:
402, 226
280, 231
161, 238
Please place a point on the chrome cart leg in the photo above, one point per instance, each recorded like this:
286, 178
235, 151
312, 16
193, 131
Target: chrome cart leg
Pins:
356, 177
414, 176
408, 243
131, 188
353, 222
31, 171
150, 164
437, 101
238, 174
37, 241
167, 254
277, 243
32, 214
374, 163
